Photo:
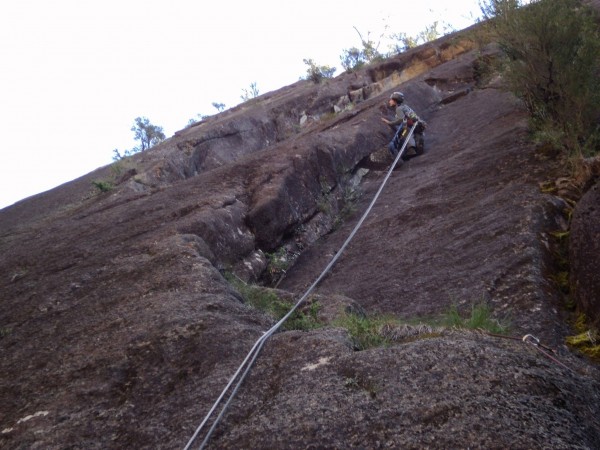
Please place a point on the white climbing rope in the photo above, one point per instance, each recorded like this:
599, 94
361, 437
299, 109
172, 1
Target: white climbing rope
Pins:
246, 364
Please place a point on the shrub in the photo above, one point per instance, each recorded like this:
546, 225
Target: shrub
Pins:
249, 94
102, 185
279, 261
404, 42
316, 73
553, 64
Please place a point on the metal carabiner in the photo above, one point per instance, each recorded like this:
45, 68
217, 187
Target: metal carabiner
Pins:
528, 337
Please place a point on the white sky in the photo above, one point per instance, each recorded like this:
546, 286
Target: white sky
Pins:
74, 74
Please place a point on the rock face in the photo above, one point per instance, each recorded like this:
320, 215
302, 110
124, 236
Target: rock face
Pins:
584, 248
119, 327
433, 393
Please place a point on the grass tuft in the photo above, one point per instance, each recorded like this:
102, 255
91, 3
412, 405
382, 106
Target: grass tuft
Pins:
365, 332
480, 318
381, 331
266, 300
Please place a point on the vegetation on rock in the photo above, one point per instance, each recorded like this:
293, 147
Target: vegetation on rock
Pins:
552, 63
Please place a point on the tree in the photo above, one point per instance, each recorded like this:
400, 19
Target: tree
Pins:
219, 106
405, 42
148, 134
117, 154
199, 117
316, 73
354, 58
250, 94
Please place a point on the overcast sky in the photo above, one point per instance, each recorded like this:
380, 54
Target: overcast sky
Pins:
74, 74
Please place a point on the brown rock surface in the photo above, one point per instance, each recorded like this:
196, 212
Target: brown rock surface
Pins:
118, 329
584, 248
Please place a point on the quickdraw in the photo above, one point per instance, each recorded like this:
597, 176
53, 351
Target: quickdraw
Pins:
535, 342
531, 339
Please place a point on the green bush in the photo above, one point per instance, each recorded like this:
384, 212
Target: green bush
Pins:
553, 64
102, 185
279, 261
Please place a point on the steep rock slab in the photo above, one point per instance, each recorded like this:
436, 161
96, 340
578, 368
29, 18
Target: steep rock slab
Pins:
114, 304
464, 223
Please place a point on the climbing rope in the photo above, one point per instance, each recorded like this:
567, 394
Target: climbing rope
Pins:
248, 361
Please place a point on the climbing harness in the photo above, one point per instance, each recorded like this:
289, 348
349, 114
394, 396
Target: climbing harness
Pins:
246, 364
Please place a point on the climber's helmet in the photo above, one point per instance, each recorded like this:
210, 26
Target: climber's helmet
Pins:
398, 97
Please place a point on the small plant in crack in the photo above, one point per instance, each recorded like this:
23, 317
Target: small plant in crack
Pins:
381, 331
480, 318
268, 301
323, 204
279, 262
356, 383
364, 331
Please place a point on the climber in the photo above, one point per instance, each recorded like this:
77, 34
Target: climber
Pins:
402, 123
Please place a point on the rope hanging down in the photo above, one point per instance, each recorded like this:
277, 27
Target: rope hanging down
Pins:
246, 364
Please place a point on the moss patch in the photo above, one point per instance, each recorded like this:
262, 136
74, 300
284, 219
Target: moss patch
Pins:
587, 341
